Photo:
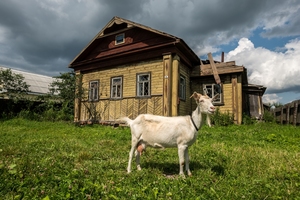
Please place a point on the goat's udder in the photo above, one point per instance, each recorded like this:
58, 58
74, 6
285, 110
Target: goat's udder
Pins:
140, 148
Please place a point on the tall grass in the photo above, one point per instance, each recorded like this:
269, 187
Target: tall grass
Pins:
47, 160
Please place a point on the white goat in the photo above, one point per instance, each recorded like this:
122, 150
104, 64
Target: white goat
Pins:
163, 132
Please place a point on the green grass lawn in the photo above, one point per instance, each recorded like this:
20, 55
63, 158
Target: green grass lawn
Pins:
47, 160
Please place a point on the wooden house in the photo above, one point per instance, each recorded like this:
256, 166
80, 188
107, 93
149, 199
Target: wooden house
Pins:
128, 69
230, 81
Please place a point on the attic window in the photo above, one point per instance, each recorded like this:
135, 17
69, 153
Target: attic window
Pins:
120, 39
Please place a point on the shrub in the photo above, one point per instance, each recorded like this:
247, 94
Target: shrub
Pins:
247, 120
222, 119
269, 117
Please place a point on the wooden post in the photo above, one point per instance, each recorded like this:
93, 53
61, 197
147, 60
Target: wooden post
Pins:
77, 103
281, 115
234, 97
295, 112
167, 64
239, 100
175, 82
288, 114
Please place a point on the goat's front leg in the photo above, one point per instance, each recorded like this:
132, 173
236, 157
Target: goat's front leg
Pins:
181, 152
187, 161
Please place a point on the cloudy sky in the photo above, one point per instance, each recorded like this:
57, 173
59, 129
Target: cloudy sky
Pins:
264, 36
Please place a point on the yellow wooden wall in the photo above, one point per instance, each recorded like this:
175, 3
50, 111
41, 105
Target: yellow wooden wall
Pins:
129, 105
165, 73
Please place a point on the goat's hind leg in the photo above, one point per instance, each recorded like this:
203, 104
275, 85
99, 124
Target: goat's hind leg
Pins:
181, 152
134, 142
138, 152
137, 159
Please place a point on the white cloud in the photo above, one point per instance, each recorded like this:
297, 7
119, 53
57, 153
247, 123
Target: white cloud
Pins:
271, 98
278, 71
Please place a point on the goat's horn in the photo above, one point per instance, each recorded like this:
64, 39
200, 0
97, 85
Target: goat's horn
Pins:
195, 95
215, 96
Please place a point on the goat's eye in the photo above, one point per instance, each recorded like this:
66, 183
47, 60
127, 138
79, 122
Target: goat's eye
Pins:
202, 100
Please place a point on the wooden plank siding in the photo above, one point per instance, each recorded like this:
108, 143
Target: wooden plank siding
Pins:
111, 109
165, 74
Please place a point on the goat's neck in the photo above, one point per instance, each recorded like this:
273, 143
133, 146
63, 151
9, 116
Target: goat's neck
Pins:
197, 117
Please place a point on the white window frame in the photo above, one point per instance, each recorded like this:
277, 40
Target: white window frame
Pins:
211, 90
182, 88
142, 85
94, 91
116, 87
120, 39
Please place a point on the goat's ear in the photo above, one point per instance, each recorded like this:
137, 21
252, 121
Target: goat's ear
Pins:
196, 96
212, 99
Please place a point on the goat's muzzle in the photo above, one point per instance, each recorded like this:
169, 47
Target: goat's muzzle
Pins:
212, 109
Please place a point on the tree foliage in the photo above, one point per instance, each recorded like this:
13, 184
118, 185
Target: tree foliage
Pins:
64, 87
12, 85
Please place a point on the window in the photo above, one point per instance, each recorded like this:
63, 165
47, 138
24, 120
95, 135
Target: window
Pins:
213, 89
143, 85
120, 39
94, 91
116, 87
182, 86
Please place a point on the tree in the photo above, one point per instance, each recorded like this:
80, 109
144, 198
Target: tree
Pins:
64, 86
12, 85
13, 93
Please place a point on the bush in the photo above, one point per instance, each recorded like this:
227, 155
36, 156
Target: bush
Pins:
247, 120
269, 117
26, 114
222, 119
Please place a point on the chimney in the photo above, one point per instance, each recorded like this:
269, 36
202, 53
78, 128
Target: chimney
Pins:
222, 57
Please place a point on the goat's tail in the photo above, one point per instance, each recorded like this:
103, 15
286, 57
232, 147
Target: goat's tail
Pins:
126, 120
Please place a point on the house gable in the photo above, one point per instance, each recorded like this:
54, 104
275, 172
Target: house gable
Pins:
140, 43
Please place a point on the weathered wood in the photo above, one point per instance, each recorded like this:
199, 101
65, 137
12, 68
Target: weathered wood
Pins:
207, 71
295, 112
167, 67
175, 82
214, 69
234, 97
288, 114
281, 116
239, 112
77, 103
